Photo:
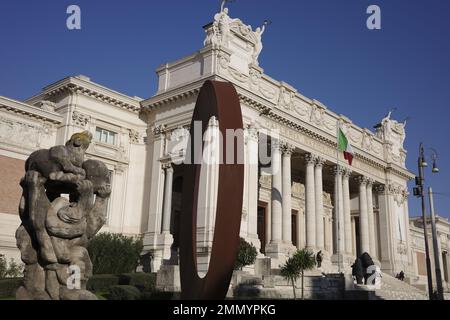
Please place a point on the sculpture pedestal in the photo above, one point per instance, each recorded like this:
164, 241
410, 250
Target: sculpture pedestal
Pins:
279, 252
168, 278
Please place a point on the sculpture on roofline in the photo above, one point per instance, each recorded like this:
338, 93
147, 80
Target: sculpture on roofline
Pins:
55, 230
392, 131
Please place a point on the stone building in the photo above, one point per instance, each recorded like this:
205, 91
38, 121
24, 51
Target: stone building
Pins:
322, 202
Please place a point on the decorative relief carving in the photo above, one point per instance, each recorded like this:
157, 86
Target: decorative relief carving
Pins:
47, 105
399, 193
327, 199
298, 190
402, 248
224, 60
367, 141
286, 99
265, 181
135, 136
255, 78
159, 130
21, 133
301, 109
267, 92
317, 115
80, 119
237, 75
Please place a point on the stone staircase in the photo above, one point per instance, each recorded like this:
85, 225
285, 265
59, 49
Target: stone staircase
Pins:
394, 289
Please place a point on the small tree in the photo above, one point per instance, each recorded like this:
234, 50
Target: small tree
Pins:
114, 253
246, 255
296, 266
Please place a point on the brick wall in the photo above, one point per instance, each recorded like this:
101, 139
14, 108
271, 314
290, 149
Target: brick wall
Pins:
11, 171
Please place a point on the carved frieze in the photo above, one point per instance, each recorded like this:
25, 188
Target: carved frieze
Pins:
21, 133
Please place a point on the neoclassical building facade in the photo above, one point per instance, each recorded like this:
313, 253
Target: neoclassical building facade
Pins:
314, 199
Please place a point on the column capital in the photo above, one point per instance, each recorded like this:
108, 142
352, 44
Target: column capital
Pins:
347, 173
310, 158
370, 182
338, 170
362, 180
380, 189
287, 148
276, 144
252, 132
167, 166
319, 161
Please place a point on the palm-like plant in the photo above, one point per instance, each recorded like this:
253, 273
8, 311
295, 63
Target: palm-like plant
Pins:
296, 266
306, 261
290, 271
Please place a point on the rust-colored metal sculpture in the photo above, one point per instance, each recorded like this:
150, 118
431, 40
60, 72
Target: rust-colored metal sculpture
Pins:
217, 99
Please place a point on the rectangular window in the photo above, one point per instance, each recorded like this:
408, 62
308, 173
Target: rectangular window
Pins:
105, 136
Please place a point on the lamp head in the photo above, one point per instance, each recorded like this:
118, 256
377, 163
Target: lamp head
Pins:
435, 168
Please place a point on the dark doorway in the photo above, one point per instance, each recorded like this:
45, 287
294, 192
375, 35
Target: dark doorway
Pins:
444, 262
357, 237
294, 228
261, 228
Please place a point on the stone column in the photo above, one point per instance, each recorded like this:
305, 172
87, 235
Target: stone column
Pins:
339, 224
371, 219
276, 207
347, 211
363, 216
287, 193
319, 204
310, 204
253, 181
167, 208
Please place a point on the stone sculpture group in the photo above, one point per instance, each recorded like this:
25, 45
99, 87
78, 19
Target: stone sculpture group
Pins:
63, 205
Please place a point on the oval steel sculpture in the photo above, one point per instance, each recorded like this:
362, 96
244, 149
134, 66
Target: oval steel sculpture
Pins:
217, 99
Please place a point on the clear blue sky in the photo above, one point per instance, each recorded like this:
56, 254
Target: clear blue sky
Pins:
321, 47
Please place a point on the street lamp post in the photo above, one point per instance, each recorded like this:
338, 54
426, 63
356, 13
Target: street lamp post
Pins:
436, 253
419, 191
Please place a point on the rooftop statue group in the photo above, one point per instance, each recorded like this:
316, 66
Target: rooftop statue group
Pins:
223, 26
56, 229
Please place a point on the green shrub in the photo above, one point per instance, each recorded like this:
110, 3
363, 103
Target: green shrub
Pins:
142, 281
114, 253
9, 286
102, 282
246, 255
13, 270
157, 295
124, 293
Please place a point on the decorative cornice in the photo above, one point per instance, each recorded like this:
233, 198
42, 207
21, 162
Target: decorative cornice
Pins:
29, 111
79, 85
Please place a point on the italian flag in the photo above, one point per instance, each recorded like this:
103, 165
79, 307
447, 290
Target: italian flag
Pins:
345, 147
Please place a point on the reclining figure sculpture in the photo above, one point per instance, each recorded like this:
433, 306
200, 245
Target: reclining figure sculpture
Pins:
55, 230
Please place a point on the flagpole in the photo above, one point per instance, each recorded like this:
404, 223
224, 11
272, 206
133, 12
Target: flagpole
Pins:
338, 125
